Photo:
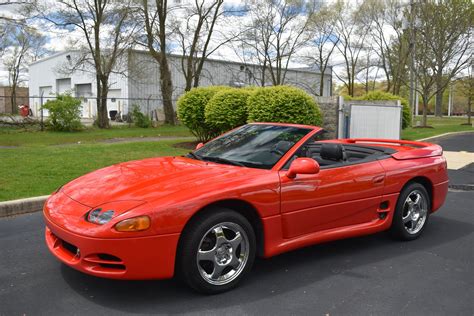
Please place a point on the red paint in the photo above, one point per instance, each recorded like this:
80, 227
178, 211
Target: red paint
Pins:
323, 205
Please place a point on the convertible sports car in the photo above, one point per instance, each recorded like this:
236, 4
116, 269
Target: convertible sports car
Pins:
260, 189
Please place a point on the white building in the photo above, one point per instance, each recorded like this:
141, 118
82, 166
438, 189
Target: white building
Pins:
136, 80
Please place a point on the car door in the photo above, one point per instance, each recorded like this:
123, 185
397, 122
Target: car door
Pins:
335, 197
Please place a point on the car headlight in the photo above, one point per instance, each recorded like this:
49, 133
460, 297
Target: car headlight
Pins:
133, 224
98, 217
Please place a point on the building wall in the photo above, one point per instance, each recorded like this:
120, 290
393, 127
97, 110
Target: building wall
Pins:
144, 81
50, 76
139, 81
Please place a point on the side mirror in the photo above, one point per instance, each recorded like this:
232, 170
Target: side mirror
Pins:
199, 145
302, 166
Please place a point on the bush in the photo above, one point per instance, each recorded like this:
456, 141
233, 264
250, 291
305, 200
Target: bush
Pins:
191, 107
64, 113
283, 104
227, 109
380, 95
140, 119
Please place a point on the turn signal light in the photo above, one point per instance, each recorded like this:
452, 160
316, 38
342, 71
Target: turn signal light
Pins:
134, 224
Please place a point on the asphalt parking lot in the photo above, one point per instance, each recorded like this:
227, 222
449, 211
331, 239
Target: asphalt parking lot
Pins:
433, 275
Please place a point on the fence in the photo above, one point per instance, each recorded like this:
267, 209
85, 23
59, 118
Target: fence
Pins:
116, 106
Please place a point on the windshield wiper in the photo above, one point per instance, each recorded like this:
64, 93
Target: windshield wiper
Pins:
194, 156
223, 160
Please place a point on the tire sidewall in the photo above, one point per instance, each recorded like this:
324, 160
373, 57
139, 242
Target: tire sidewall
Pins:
189, 245
398, 228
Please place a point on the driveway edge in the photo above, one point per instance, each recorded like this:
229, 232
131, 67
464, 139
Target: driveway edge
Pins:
443, 135
22, 206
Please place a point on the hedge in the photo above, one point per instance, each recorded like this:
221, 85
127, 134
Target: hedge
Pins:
380, 95
283, 104
191, 107
227, 109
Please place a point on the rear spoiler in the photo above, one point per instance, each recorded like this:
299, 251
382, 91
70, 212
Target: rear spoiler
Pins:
420, 149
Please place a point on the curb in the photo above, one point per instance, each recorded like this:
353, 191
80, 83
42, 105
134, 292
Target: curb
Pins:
462, 187
22, 206
443, 135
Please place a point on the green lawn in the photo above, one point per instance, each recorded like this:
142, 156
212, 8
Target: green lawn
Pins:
35, 163
21, 137
38, 170
440, 126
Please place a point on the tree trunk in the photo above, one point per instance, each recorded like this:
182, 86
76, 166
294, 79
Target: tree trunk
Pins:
321, 84
167, 90
439, 103
469, 100
102, 115
424, 122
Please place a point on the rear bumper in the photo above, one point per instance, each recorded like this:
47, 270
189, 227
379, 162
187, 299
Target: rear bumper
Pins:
125, 258
440, 191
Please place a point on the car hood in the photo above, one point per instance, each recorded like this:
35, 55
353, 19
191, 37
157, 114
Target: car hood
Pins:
151, 179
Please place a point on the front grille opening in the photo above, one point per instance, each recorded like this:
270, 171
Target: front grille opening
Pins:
69, 247
105, 256
112, 266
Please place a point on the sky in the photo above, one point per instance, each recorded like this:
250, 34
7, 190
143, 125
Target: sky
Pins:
59, 40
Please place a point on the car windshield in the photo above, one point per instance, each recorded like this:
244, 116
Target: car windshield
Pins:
253, 145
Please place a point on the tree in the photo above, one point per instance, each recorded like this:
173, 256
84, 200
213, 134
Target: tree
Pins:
25, 45
155, 22
277, 30
450, 34
352, 31
322, 46
389, 40
433, 75
194, 32
108, 30
467, 88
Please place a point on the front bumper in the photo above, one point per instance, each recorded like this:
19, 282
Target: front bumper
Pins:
118, 258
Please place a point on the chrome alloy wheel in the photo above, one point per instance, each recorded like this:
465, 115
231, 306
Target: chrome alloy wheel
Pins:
223, 253
415, 211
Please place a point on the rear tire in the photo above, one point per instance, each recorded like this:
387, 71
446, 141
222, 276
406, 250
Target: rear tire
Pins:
411, 213
216, 251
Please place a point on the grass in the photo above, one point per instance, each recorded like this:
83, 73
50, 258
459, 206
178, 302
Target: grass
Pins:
32, 163
38, 170
440, 125
21, 137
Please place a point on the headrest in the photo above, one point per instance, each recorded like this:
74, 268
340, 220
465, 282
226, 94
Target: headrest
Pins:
332, 151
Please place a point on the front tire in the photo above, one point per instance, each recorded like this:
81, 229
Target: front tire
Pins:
216, 251
411, 213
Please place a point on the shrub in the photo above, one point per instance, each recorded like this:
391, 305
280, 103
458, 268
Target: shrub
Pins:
140, 119
283, 104
380, 95
64, 113
191, 107
227, 109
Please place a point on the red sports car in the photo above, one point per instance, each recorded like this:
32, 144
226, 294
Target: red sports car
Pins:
259, 190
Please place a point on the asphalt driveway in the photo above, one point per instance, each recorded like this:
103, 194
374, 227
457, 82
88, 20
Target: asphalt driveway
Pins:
433, 275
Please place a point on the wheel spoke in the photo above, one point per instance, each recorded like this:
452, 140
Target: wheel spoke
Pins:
407, 219
220, 237
413, 224
235, 262
217, 272
206, 255
235, 242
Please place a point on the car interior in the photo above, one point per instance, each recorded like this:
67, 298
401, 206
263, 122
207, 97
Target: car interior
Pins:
330, 155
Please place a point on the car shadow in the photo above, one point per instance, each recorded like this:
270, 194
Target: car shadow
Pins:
284, 273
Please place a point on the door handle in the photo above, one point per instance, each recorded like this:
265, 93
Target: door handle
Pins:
378, 179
